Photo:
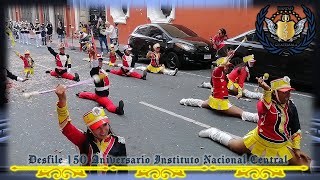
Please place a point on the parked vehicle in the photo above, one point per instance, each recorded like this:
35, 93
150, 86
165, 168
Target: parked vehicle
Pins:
180, 45
298, 67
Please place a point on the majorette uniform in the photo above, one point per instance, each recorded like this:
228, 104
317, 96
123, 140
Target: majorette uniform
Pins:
155, 66
218, 100
278, 127
28, 63
102, 92
219, 97
112, 146
238, 76
112, 55
126, 69
60, 70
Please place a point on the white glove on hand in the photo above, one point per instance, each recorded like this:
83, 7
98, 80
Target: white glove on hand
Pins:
69, 70
20, 79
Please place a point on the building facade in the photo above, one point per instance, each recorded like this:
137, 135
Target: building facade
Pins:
236, 16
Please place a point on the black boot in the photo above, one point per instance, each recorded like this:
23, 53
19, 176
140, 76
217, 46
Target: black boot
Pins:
107, 70
76, 77
48, 71
119, 109
144, 76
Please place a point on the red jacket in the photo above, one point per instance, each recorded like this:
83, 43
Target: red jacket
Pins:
155, 60
219, 82
27, 63
112, 57
237, 77
126, 61
278, 124
217, 40
111, 146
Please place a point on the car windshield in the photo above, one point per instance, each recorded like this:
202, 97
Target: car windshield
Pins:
178, 31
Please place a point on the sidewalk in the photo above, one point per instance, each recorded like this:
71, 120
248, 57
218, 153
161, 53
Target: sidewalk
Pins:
75, 45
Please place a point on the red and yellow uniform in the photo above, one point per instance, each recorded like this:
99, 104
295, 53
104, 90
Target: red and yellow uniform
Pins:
278, 127
154, 66
28, 62
112, 55
219, 98
95, 150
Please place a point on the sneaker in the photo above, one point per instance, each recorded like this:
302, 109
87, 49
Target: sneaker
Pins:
119, 109
175, 71
206, 132
201, 85
107, 70
47, 71
76, 77
144, 76
183, 101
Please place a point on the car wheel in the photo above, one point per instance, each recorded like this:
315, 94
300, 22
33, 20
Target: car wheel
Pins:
172, 61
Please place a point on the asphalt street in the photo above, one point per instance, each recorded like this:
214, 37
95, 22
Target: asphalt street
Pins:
154, 122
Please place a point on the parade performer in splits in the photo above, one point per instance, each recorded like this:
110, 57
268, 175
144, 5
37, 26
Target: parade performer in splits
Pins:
237, 78
28, 63
278, 131
112, 55
155, 66
98, 142
219, 99
60, 70
125, 67
102, 88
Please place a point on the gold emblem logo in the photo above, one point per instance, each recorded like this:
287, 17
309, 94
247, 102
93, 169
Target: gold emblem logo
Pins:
285, 30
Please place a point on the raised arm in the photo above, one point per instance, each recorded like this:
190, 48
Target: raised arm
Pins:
76, 136
52, 51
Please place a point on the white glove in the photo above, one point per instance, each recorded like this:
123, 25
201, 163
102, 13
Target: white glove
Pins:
131, 70
120, 65
69, 70
20, 79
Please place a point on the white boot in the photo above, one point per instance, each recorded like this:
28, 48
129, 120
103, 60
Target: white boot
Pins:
141, 68
170, 72
216, 135
250, 94
205, 85
251, 117
191, 102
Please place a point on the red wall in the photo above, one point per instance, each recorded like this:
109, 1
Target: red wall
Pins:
204, 21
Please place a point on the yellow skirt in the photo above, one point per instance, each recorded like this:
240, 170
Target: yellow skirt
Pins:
152, 69
263, 148
28, 70
219, 104
232, 85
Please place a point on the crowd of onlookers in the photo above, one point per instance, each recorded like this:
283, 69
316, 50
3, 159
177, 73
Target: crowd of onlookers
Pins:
24, 31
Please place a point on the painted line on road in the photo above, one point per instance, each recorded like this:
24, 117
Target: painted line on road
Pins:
42, 66
176, 115
245, 84
184, 118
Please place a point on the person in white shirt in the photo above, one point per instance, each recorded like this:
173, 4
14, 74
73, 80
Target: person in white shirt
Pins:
112, 33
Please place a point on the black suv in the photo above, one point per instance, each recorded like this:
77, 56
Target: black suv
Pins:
179, 45
298, 67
